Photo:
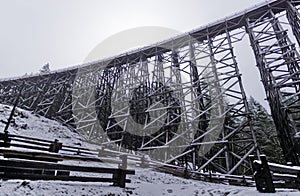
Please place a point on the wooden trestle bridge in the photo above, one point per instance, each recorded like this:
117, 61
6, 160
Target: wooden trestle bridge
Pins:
180, 101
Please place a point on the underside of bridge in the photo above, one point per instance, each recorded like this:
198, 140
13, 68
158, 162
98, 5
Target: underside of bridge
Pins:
181, 101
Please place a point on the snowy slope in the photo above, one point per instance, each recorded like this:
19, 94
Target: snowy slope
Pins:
27, 123
145, 182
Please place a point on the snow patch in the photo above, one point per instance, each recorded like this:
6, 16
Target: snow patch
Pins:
145, 182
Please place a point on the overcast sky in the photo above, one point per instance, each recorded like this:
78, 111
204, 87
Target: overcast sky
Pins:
63, 32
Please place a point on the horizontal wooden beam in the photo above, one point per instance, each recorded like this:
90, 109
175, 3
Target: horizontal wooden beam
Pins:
62, 178
32, 164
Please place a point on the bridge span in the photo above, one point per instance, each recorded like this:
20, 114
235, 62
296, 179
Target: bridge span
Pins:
181, 101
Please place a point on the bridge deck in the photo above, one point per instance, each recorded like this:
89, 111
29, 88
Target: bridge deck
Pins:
235, 21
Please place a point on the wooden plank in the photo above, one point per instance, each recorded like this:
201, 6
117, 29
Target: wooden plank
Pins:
32, 142
19, 170
50, 155
31, 164
41, 143
5, 144
29, 157
290, 185
62, 173
28, 146
29, 138
77, 151
62, 178
282, 168
49, 141
14, 108
47, 145
285, 177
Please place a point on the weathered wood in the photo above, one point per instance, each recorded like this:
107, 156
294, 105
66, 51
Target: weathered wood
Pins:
61, 178
262, 176
6, 140
32, 142
47, 155
50, 155
123, 165
31, 164
55, 146
29, 157
278, 177
27, 139
40, 156
27, 146
48, 152
209, 177
286, 176
284, 169
15, 169
289, 185
14, 108
42, 145
62, 173
4, 144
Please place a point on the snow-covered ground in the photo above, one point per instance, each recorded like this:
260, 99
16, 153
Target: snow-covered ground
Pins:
144, 182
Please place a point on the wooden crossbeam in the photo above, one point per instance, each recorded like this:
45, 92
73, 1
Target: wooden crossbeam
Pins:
16, 167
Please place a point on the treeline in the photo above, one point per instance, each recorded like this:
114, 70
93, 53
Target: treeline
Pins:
265, 130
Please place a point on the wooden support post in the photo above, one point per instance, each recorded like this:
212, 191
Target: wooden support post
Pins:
55, 146
119, 177
210, 176
102, 152
6, 140
268, 178
262, 176
13, 109
186, 174
144, 162
124, 162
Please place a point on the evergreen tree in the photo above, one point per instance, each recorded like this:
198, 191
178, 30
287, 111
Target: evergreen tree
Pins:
266, 134
45, 68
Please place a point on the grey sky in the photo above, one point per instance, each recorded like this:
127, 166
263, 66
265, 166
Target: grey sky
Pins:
63, 32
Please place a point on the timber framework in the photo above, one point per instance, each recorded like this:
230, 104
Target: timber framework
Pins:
181, 101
